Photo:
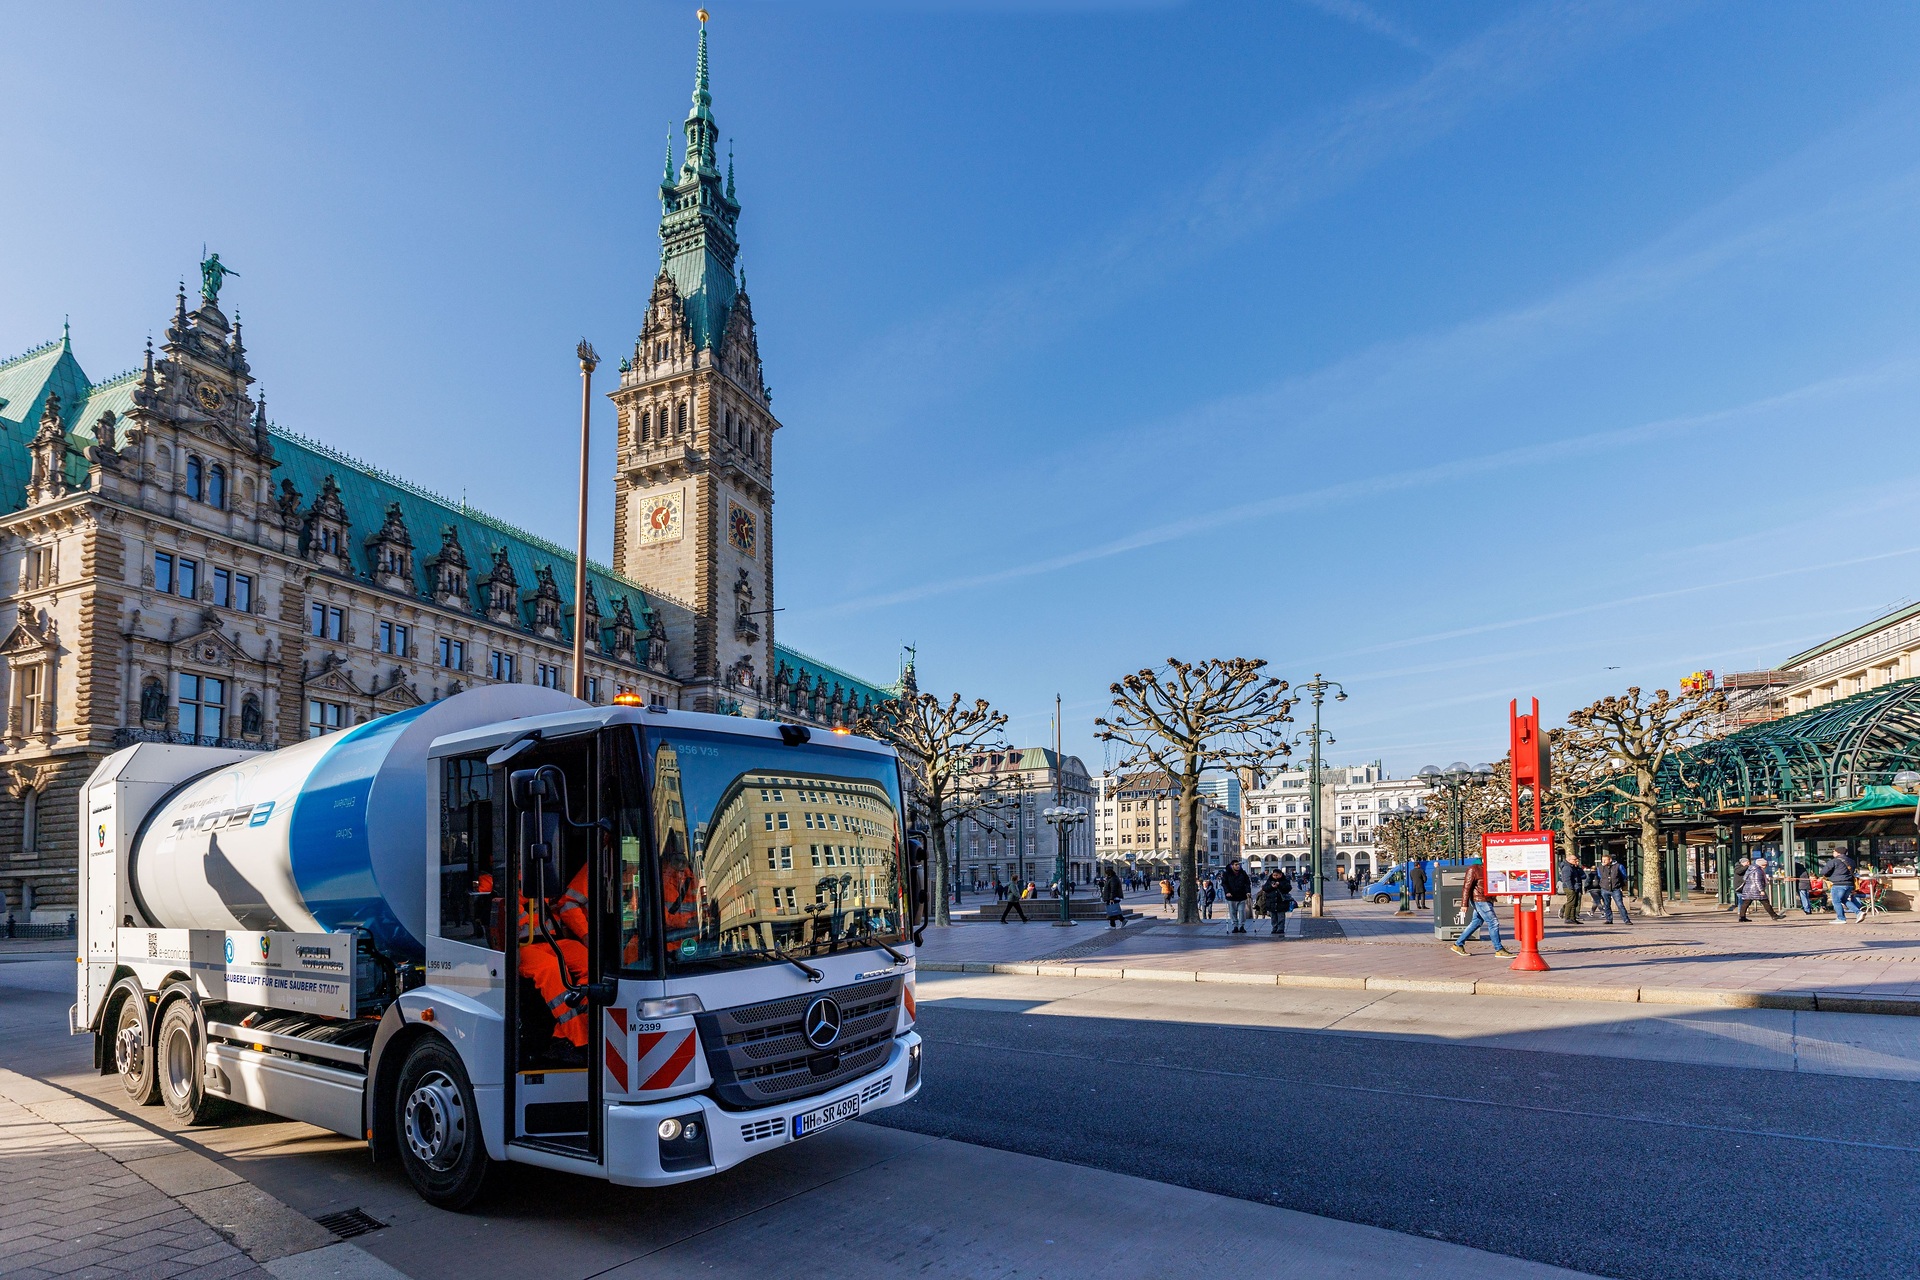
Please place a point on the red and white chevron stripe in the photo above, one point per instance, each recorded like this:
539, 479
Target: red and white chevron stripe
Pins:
664, 1059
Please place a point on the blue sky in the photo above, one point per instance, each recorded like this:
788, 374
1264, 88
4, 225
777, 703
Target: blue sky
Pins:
1459, 352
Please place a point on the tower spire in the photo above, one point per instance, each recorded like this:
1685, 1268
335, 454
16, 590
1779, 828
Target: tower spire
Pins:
699, 214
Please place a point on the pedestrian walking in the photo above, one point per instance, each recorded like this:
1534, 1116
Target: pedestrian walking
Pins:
1753, 888
1838, 873
1013, 907
1207, 893
1572, 876
1804, 885
1473, 894
1277, 898
1237, 887
1111, 893
1417, 883
1353, 886
1612, 878
1166, 895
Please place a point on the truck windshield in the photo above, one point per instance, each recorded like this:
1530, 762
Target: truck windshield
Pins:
766, 848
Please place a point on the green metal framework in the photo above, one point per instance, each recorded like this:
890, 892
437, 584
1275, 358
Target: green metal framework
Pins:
1826, 755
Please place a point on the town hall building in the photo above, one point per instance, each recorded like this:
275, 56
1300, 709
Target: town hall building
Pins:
177, 567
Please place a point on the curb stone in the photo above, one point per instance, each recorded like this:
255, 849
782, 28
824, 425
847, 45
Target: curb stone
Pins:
1798, 1001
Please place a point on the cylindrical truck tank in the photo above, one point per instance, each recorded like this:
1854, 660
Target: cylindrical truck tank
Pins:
328, 835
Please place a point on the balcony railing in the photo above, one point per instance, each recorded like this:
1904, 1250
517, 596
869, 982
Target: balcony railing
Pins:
174, 738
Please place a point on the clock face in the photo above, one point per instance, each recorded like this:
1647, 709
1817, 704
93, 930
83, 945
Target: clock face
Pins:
740, 527
209, 396
660, 518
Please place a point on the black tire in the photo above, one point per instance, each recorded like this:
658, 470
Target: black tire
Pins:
130, 1048
1379, 897
436, 1125
180, 1066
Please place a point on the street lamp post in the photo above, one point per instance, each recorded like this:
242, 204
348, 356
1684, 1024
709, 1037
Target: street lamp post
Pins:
1454, 779
1417, 813
1318, 687
1063, 818
589, 360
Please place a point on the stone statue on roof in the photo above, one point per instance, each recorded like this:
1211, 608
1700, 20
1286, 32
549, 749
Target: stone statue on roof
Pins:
213, 273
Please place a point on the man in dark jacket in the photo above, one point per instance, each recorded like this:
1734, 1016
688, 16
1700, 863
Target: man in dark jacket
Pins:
1417, 883
1838, 873
1111, 894
1237, 887
1474, 895
1612, 878
1753, 888
1572, 876
1277, 897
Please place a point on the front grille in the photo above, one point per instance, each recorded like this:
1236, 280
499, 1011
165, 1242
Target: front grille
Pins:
878, 1089
760, 1130
759, 1055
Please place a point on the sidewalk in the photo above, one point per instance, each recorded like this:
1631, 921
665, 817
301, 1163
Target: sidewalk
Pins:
1698, 954
86, 1193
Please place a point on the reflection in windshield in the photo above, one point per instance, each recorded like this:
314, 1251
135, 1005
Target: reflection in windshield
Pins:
766, 847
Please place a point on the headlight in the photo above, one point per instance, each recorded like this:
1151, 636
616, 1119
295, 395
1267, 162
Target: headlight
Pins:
670, 1006
669, 1129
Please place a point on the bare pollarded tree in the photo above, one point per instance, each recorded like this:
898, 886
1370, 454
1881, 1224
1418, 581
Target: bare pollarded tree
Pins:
1188, 717
937, 741
1629, 737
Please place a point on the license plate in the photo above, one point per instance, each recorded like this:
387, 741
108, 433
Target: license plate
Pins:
826, 1117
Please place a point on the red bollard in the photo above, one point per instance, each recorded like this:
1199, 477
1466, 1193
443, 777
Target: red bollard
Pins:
1529, 927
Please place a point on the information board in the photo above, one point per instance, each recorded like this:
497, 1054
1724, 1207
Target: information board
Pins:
1518, 862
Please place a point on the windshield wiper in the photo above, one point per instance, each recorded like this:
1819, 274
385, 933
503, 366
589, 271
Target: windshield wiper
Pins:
897, 957
813, 974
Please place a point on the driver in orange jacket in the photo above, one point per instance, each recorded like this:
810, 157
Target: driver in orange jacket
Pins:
539, 963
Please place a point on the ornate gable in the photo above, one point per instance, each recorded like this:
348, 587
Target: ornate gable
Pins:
390, 553
449, 576
503, 594
323, 535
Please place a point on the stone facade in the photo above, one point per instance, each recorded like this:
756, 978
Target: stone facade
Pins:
1136, 824
175, 567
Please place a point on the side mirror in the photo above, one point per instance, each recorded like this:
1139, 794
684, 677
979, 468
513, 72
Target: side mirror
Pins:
524, 785
919, 907
539, 849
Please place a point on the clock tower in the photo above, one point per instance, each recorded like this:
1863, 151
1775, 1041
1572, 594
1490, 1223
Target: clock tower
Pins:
693, 489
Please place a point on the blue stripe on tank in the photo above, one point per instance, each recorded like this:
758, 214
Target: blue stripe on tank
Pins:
327, 842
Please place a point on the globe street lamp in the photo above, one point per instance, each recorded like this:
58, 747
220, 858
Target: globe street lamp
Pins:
1453, 779
1063, 818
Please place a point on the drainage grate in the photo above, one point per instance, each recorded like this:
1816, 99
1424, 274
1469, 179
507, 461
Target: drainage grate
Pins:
349, 1223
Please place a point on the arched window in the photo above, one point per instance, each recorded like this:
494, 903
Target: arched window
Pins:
680, 420
30, 821
196, 486
646, 425
217, 486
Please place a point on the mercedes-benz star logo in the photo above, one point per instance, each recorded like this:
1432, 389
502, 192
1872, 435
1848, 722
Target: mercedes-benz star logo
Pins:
822, 1023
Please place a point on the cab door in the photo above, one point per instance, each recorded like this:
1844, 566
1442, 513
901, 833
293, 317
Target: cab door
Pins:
558, 846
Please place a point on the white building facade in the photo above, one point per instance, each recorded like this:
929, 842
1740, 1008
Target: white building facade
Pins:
1135, 827
1277, 818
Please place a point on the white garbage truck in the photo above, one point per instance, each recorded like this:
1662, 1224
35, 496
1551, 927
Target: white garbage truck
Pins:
631, 943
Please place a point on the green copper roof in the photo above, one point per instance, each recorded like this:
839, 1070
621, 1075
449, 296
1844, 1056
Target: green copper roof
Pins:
699, 217
366, 491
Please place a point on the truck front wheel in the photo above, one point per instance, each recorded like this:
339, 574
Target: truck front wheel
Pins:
180, 1063
132, 1053
439, 1127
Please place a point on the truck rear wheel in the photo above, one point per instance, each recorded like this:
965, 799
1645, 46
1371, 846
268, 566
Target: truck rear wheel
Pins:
180, 1065
438, 1126
133, 1051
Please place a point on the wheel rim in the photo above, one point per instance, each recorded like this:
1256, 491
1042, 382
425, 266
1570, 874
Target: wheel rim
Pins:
436, 1121
180, 1065
129, 1044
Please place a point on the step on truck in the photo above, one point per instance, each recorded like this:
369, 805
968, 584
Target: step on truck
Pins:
635, 944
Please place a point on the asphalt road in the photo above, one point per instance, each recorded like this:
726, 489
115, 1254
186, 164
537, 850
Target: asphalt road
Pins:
860, 1202
1609, 1165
